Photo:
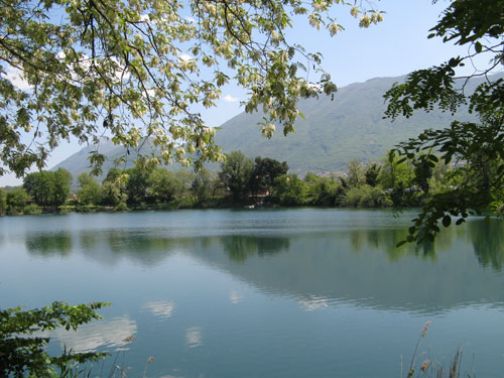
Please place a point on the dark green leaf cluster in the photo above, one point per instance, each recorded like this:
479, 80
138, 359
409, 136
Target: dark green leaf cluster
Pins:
475, 149
478, 150
48, 189
466, 21
425, 89
23, 341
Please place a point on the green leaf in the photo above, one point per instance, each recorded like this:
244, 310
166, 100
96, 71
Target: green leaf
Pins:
446, 220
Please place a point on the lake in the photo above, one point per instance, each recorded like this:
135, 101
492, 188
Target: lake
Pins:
263, 293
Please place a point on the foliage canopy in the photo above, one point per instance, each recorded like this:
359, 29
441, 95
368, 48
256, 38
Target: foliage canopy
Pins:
479, 25
135, 69
22, 344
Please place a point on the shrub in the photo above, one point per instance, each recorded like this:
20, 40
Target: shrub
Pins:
87, 208
367, 197
65, 209
17, 198
32, 209
289, 190
322, 191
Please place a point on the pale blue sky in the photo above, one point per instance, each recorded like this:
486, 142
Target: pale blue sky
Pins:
394, 47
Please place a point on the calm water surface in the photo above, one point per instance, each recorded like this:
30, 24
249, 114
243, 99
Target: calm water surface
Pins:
291, 293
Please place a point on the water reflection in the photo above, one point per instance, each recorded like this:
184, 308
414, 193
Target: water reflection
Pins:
57, 243
235, 297
387, 239
107, 247
358, 264
240, 247
161, 309
142, 246
365, 268
487, 237
193, 337
148, 247
314, 303
116, 333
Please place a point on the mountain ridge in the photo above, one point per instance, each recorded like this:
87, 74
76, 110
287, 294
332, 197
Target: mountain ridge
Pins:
333, 132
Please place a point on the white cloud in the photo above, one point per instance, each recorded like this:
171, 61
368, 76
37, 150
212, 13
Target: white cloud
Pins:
193, 337
161, 309
230, 98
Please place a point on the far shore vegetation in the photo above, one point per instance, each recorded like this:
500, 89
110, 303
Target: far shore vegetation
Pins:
240, 183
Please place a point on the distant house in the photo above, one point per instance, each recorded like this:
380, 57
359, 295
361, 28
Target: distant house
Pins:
260, 198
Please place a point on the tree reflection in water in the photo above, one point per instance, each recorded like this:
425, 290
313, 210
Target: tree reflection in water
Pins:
47, 244
487, 237
240, 247
151, 247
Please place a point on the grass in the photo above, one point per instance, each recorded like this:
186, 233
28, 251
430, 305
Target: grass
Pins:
428, 368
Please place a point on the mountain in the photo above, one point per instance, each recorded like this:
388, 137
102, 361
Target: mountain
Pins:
79, 162
333, 131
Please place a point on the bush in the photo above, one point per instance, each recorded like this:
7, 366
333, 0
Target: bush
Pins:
87, 208
32, 209
17, 198
289, 190
122, 206
367, 197
322, 191
90, 192
65, 209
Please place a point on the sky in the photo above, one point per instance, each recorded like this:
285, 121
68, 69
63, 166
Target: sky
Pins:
394, 47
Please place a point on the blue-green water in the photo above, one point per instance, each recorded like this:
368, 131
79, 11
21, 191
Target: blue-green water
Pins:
290, 293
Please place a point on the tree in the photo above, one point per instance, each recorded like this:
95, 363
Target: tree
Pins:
265, 172
203, 187
356, 174
90, 192
137, 185
396, 173
62, 182
3, 202
114, 188
48, 189
479, 26
17, 199
235, 174
289, 190
397, 178
134, 69
322, 191
164, 186
40, 187
366, 196
372, 174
